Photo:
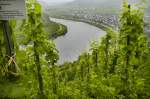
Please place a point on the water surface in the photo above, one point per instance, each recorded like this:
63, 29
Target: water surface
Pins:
77, 40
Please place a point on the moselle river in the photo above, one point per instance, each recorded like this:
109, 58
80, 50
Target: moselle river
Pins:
77, 40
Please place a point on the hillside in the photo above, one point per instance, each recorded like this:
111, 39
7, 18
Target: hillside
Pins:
94, 3
104, 4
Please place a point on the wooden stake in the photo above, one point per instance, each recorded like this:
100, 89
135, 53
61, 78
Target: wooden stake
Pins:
9, 45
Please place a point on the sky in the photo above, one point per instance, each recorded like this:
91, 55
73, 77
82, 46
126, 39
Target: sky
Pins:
55, 1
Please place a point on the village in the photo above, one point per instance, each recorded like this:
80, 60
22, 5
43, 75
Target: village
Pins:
94, 17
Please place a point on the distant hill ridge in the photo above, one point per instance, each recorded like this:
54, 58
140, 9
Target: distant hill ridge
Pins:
100, 3
96, 3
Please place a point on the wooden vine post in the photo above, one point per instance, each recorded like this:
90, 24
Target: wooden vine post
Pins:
10, 10
9, 44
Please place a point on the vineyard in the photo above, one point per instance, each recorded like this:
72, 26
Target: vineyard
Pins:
116, 67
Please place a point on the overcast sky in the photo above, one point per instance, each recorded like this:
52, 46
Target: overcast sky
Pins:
55, 1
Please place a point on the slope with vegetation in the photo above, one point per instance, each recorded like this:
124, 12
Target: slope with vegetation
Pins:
117, 67
54, 29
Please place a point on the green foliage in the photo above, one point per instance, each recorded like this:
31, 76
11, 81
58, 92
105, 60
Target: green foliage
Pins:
117, 67
55, 29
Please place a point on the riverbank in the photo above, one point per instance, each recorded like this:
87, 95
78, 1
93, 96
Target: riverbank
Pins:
55, 29
96, 24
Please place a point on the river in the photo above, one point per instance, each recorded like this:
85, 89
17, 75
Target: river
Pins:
77, 40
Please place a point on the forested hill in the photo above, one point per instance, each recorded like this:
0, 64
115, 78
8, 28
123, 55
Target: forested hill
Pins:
96, 3
117, 67
104, 4
148, 9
